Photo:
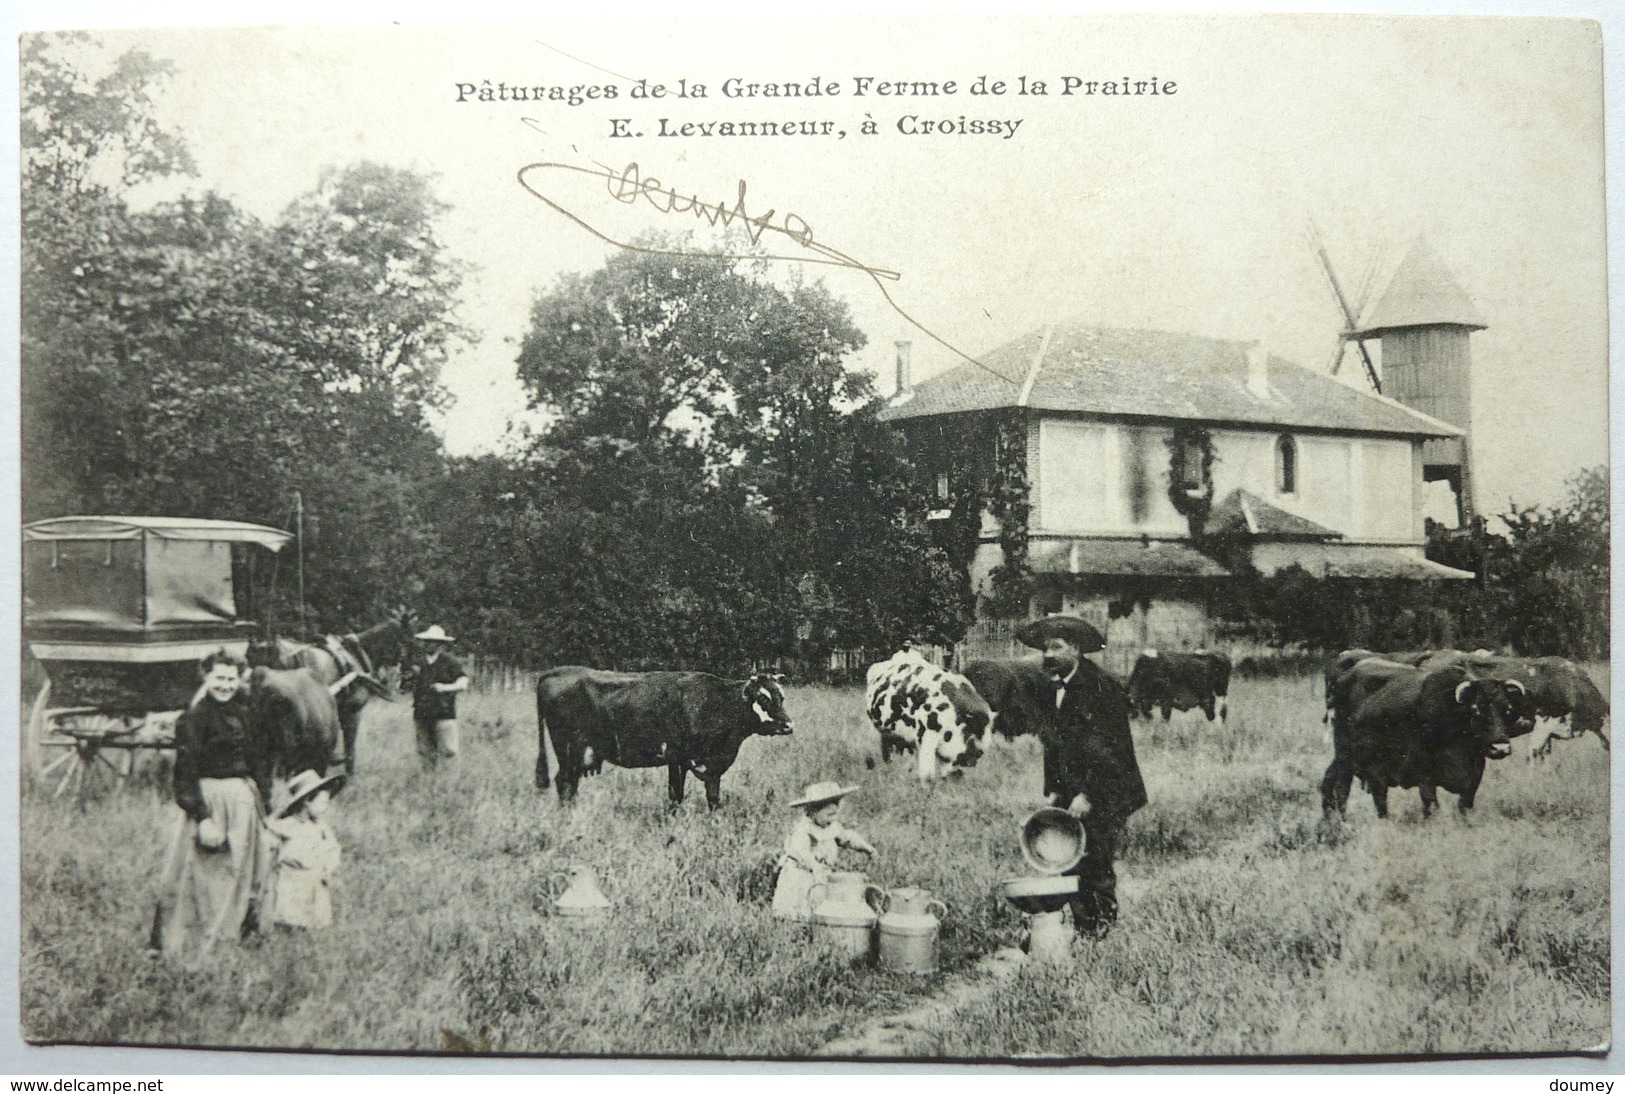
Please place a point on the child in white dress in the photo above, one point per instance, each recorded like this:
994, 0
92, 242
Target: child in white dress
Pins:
307, 854
812, 848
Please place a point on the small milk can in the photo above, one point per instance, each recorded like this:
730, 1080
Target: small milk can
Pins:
1049, 939
843, 912
908, 930
577, 896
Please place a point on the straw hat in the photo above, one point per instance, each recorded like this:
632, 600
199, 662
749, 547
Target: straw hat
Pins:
819, 793
1069, 627
306, 785
435, 633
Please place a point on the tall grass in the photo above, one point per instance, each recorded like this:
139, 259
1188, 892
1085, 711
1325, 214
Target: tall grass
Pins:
1249, 924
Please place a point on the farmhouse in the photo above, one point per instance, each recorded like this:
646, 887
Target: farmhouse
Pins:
1135, 471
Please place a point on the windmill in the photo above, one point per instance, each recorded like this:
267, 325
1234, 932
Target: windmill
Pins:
1351, 315
1422, 320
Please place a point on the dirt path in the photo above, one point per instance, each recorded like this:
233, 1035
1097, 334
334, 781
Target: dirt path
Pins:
904, 1034
908, 1033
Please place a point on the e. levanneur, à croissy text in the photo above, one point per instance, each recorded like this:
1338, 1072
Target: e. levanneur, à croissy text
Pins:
909, 125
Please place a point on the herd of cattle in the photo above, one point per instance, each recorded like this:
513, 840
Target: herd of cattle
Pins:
1425, 719
1431, 718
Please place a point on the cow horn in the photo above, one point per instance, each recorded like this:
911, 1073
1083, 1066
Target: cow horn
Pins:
1519, 685
1461, 689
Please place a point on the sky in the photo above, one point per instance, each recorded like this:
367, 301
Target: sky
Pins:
1187, 210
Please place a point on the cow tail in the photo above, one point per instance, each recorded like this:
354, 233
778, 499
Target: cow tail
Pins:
542, 781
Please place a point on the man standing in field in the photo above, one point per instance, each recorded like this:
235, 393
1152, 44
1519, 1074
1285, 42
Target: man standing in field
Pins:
1089, 764
437, 680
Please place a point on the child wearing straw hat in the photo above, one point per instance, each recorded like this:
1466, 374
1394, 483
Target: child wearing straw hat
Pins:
813, 847
307, 854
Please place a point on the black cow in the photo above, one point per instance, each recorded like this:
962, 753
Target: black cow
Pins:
1556, 688
683, 721
1396, 725
1180, 681
1019, 691
1339, 664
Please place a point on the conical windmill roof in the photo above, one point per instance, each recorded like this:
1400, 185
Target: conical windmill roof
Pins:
1421, 294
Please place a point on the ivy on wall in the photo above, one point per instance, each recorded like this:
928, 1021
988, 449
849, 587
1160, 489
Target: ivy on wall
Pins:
1190, 488
990, 475
1009, 500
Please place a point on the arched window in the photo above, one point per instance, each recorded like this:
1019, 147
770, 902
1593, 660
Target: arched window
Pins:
1286, 465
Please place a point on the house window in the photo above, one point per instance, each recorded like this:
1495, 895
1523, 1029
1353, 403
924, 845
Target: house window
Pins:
1192, 475
942, 486
1286, 465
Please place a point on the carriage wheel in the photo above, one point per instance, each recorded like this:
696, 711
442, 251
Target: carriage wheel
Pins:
78, 753
36, 714
89, 761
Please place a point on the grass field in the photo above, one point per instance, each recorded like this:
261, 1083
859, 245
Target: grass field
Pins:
1250, 925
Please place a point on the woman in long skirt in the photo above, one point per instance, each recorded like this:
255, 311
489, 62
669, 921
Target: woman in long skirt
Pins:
217, 859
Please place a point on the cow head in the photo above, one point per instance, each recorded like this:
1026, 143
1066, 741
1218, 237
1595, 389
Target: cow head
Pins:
1490, 713
956, 723
1523, 708
764, 694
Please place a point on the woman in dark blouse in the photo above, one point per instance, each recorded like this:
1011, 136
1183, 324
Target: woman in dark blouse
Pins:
217, 861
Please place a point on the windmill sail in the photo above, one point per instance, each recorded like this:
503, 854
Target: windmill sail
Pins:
1350, 315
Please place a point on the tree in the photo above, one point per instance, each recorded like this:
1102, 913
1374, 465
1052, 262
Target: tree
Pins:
708, 437
84, 141
187, 359
1550, 572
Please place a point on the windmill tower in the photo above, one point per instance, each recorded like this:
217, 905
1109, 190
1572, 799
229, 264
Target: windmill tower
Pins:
1422, 321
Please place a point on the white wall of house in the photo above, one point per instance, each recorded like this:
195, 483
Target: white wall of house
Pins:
1086, 475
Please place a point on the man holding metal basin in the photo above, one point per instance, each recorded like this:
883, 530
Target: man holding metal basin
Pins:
1089, 764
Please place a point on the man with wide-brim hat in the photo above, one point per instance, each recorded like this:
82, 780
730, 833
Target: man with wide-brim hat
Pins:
1089, 763
435, 684
1076, 631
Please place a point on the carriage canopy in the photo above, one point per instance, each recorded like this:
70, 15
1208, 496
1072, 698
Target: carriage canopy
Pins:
122, 576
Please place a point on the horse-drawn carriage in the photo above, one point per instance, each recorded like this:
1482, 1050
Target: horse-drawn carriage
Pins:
118, 611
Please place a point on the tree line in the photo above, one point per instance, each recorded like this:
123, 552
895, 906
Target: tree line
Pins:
710, 488
713, 487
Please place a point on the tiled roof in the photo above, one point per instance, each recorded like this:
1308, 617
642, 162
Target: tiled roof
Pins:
1244, 511
1389, 562
1155, 374
1421, 294
1122, 557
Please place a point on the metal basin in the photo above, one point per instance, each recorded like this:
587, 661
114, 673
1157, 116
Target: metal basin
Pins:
1037, 895
1052, 840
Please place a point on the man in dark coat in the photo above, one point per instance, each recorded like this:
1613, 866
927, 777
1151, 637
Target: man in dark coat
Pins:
1089, 764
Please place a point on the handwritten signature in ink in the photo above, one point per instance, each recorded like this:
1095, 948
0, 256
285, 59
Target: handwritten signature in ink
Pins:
631, 186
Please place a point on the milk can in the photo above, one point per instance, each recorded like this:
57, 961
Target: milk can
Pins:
843, 912
576, 896
1049, 939
908, 930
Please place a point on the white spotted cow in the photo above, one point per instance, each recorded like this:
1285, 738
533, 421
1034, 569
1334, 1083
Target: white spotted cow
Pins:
938, 714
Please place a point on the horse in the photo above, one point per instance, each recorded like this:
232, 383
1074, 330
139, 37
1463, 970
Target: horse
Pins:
344, 664
299, 718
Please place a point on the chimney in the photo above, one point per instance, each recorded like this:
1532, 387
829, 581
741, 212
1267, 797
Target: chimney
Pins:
1258, 370
904, 380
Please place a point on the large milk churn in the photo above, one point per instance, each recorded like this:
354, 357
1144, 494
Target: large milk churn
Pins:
577, 896
909, 929
843, 912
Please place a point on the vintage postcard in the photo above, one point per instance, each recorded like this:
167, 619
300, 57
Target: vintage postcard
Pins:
1063, 538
